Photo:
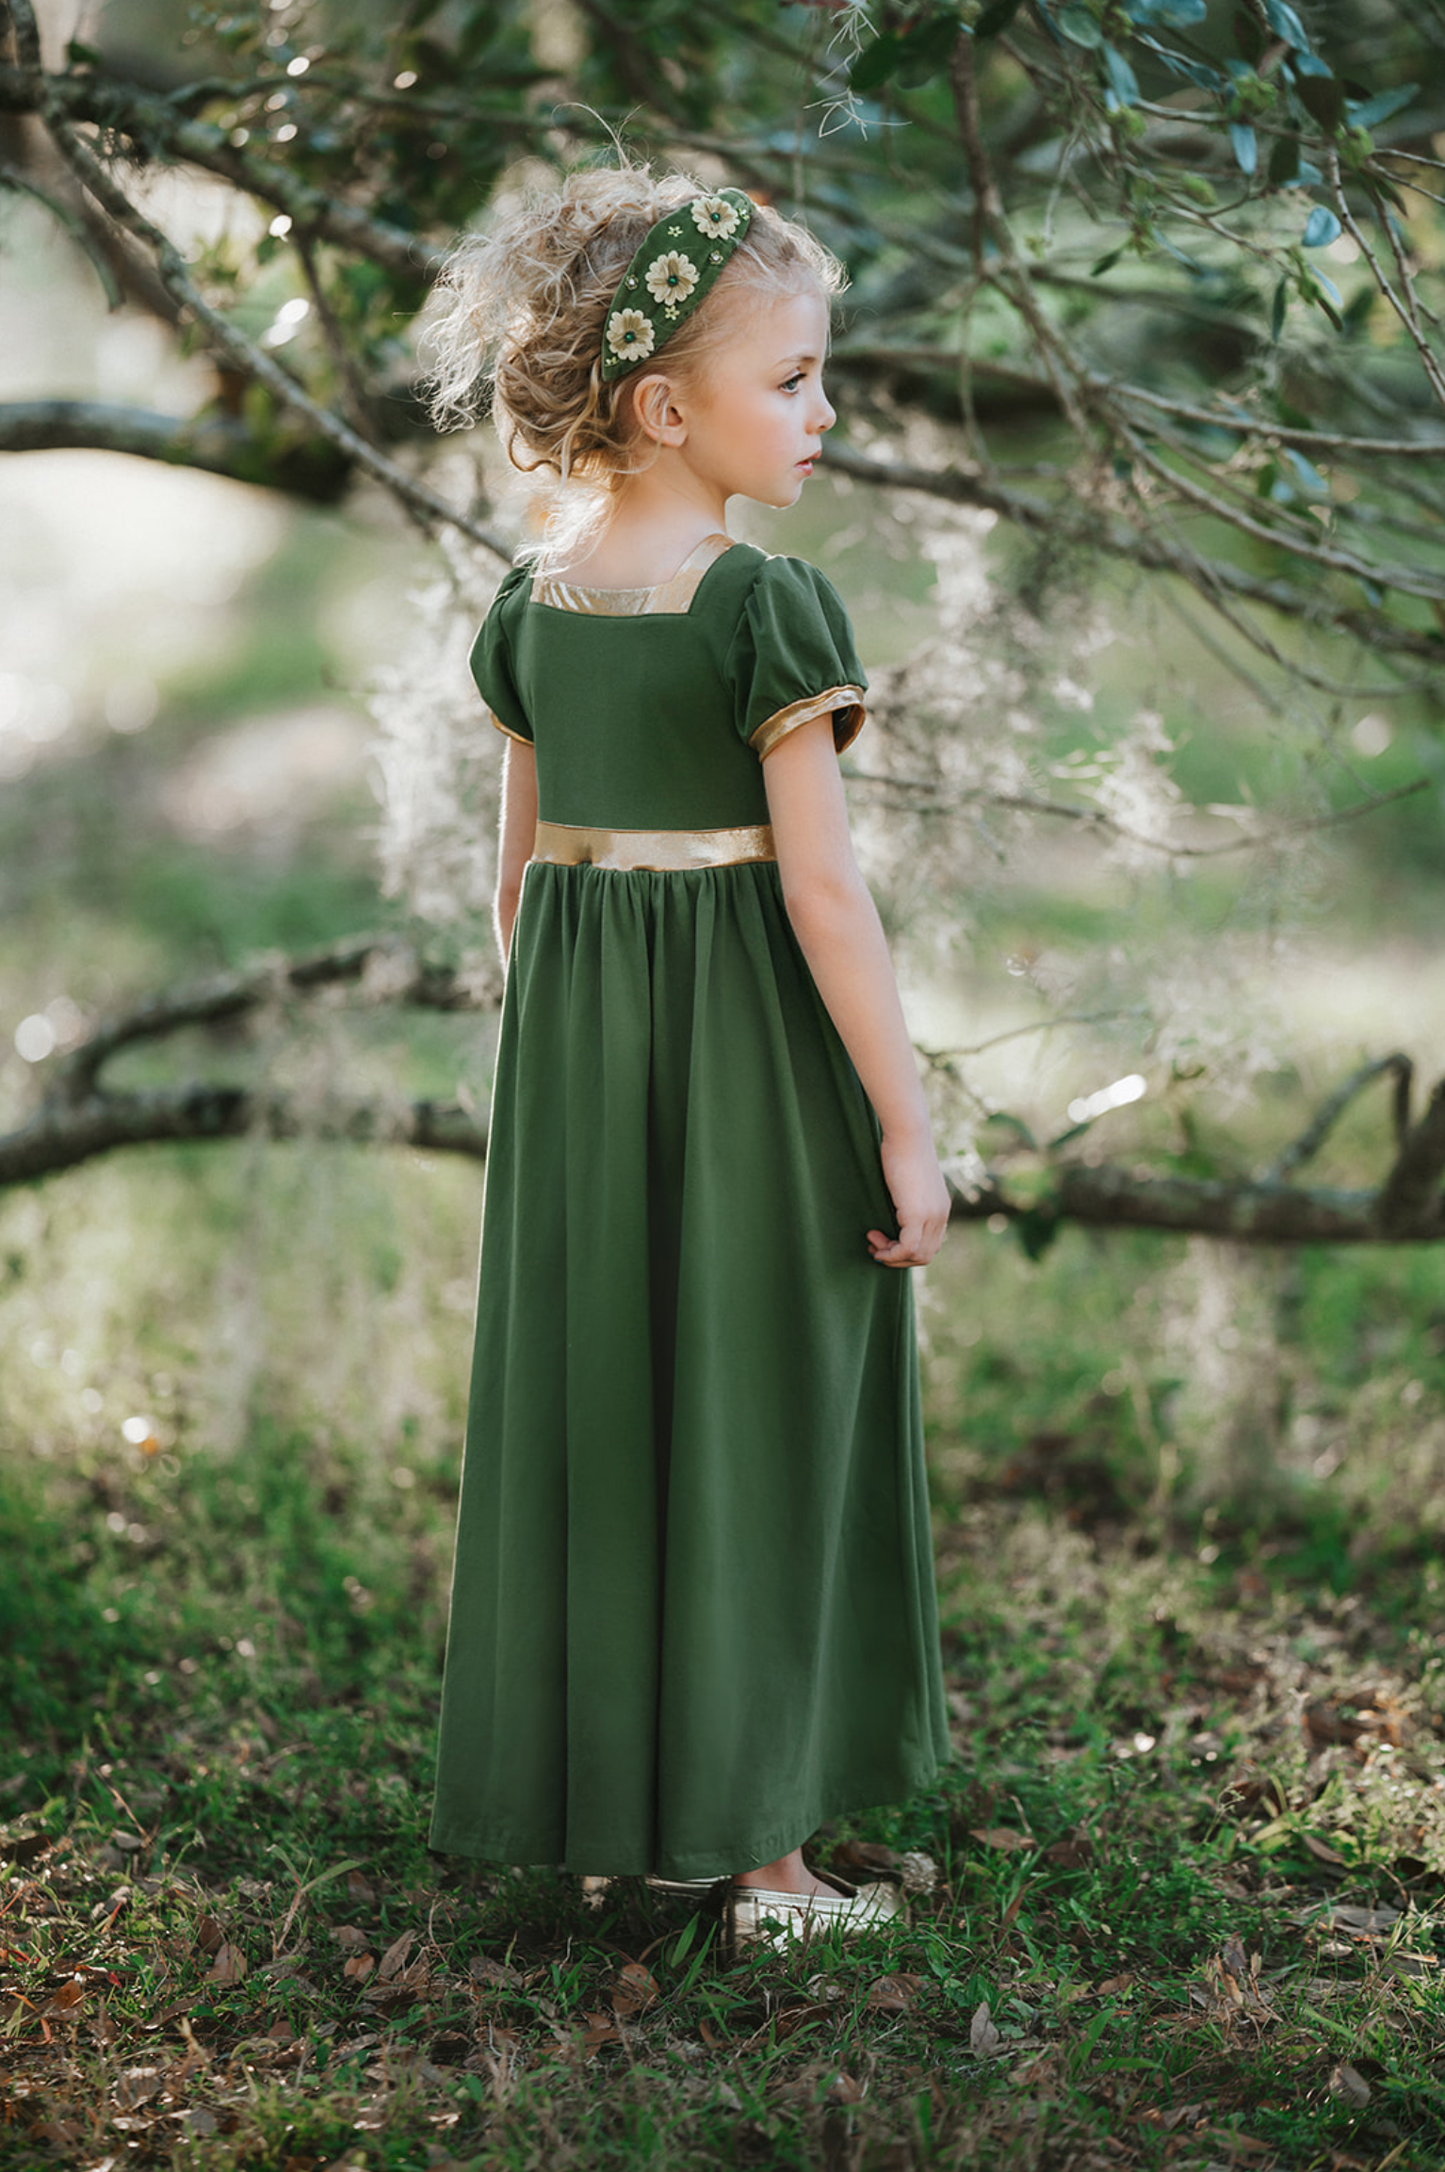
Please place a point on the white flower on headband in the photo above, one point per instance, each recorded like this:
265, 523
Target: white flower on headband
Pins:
671, 278
714, 215
630, 334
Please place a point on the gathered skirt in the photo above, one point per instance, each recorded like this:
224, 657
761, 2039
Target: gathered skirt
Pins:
693, 1607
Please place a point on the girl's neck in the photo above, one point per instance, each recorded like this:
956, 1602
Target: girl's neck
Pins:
654, 528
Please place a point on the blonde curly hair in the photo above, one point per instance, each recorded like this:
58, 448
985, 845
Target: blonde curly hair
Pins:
519, 322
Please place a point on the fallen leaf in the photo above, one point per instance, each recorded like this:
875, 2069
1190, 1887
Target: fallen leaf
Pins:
347, 1934
632, 1990
1363, 1922
483, 1969
1322, 1852
1071, 1854
70, 1994
984, 2039
1347, 2082
866, 1855
1178, 2114
209, 1935
894, 1994
845, 2089
787, 2022
358, 1887
137, 2086
1113, 1985
1003, 1836
359, 1966
601, 2029
395, 1955
229, 1965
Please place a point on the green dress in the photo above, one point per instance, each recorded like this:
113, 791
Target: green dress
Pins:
693, 1609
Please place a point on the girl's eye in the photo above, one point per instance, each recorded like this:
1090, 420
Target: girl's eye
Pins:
791, 384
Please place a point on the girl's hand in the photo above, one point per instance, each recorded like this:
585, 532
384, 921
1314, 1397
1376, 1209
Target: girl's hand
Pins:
920, 1201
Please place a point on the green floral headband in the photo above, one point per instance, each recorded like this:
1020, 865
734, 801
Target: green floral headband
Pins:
664, 283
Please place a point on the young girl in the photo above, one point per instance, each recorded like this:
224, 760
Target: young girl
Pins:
693, 1610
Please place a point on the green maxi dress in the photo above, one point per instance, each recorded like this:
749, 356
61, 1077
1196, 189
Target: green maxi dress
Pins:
693, 1608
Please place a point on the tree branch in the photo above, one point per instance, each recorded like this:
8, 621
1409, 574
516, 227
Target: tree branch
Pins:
164, 130
1409, 1198
1087, 529
309, 467
1323, 1122
80, 1118
225, 336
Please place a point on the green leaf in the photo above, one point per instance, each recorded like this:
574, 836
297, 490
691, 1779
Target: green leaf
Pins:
1383, 106
1122, 80
1321, 228
1248, 37
1358, 307
1107, 263
1323, 100
1283, 161
926, 48
1036, 1230
1277, 310
1285, 24
1308, 476
997, 18
875, 63
1166, 14
1245, 145
1079, 26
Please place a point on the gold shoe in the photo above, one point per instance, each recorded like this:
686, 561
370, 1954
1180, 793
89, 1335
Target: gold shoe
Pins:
756, 1914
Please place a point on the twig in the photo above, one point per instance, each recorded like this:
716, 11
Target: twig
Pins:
1017, 1033
1100, 819
1323, 1122
1218, 581
1404, 309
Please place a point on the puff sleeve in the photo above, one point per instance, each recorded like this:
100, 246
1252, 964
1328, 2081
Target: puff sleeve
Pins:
792, 658
491, 662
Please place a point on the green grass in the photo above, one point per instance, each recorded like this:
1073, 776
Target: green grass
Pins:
1151, 1872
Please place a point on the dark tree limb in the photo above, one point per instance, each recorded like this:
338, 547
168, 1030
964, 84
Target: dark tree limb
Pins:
61, 1134
1323, 1122
384, 969
1410, 1195
1240, 1210
308, 467
80, 1117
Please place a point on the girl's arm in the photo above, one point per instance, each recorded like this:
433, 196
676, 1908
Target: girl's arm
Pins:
518, 831
838, 930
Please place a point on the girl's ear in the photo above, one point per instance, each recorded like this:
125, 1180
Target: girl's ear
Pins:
658, 416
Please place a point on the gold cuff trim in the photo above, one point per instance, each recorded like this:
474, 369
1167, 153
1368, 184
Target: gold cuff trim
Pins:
667, 852
846, 703
520, 737
674, 595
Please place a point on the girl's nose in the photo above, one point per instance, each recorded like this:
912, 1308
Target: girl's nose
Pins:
827, 413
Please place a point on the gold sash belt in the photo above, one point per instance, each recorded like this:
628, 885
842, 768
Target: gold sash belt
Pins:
568, 844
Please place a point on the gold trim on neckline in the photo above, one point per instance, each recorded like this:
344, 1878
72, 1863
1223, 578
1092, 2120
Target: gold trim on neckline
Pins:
670, 596
665, 852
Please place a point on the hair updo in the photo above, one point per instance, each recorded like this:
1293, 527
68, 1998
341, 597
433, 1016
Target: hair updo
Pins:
522, 310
